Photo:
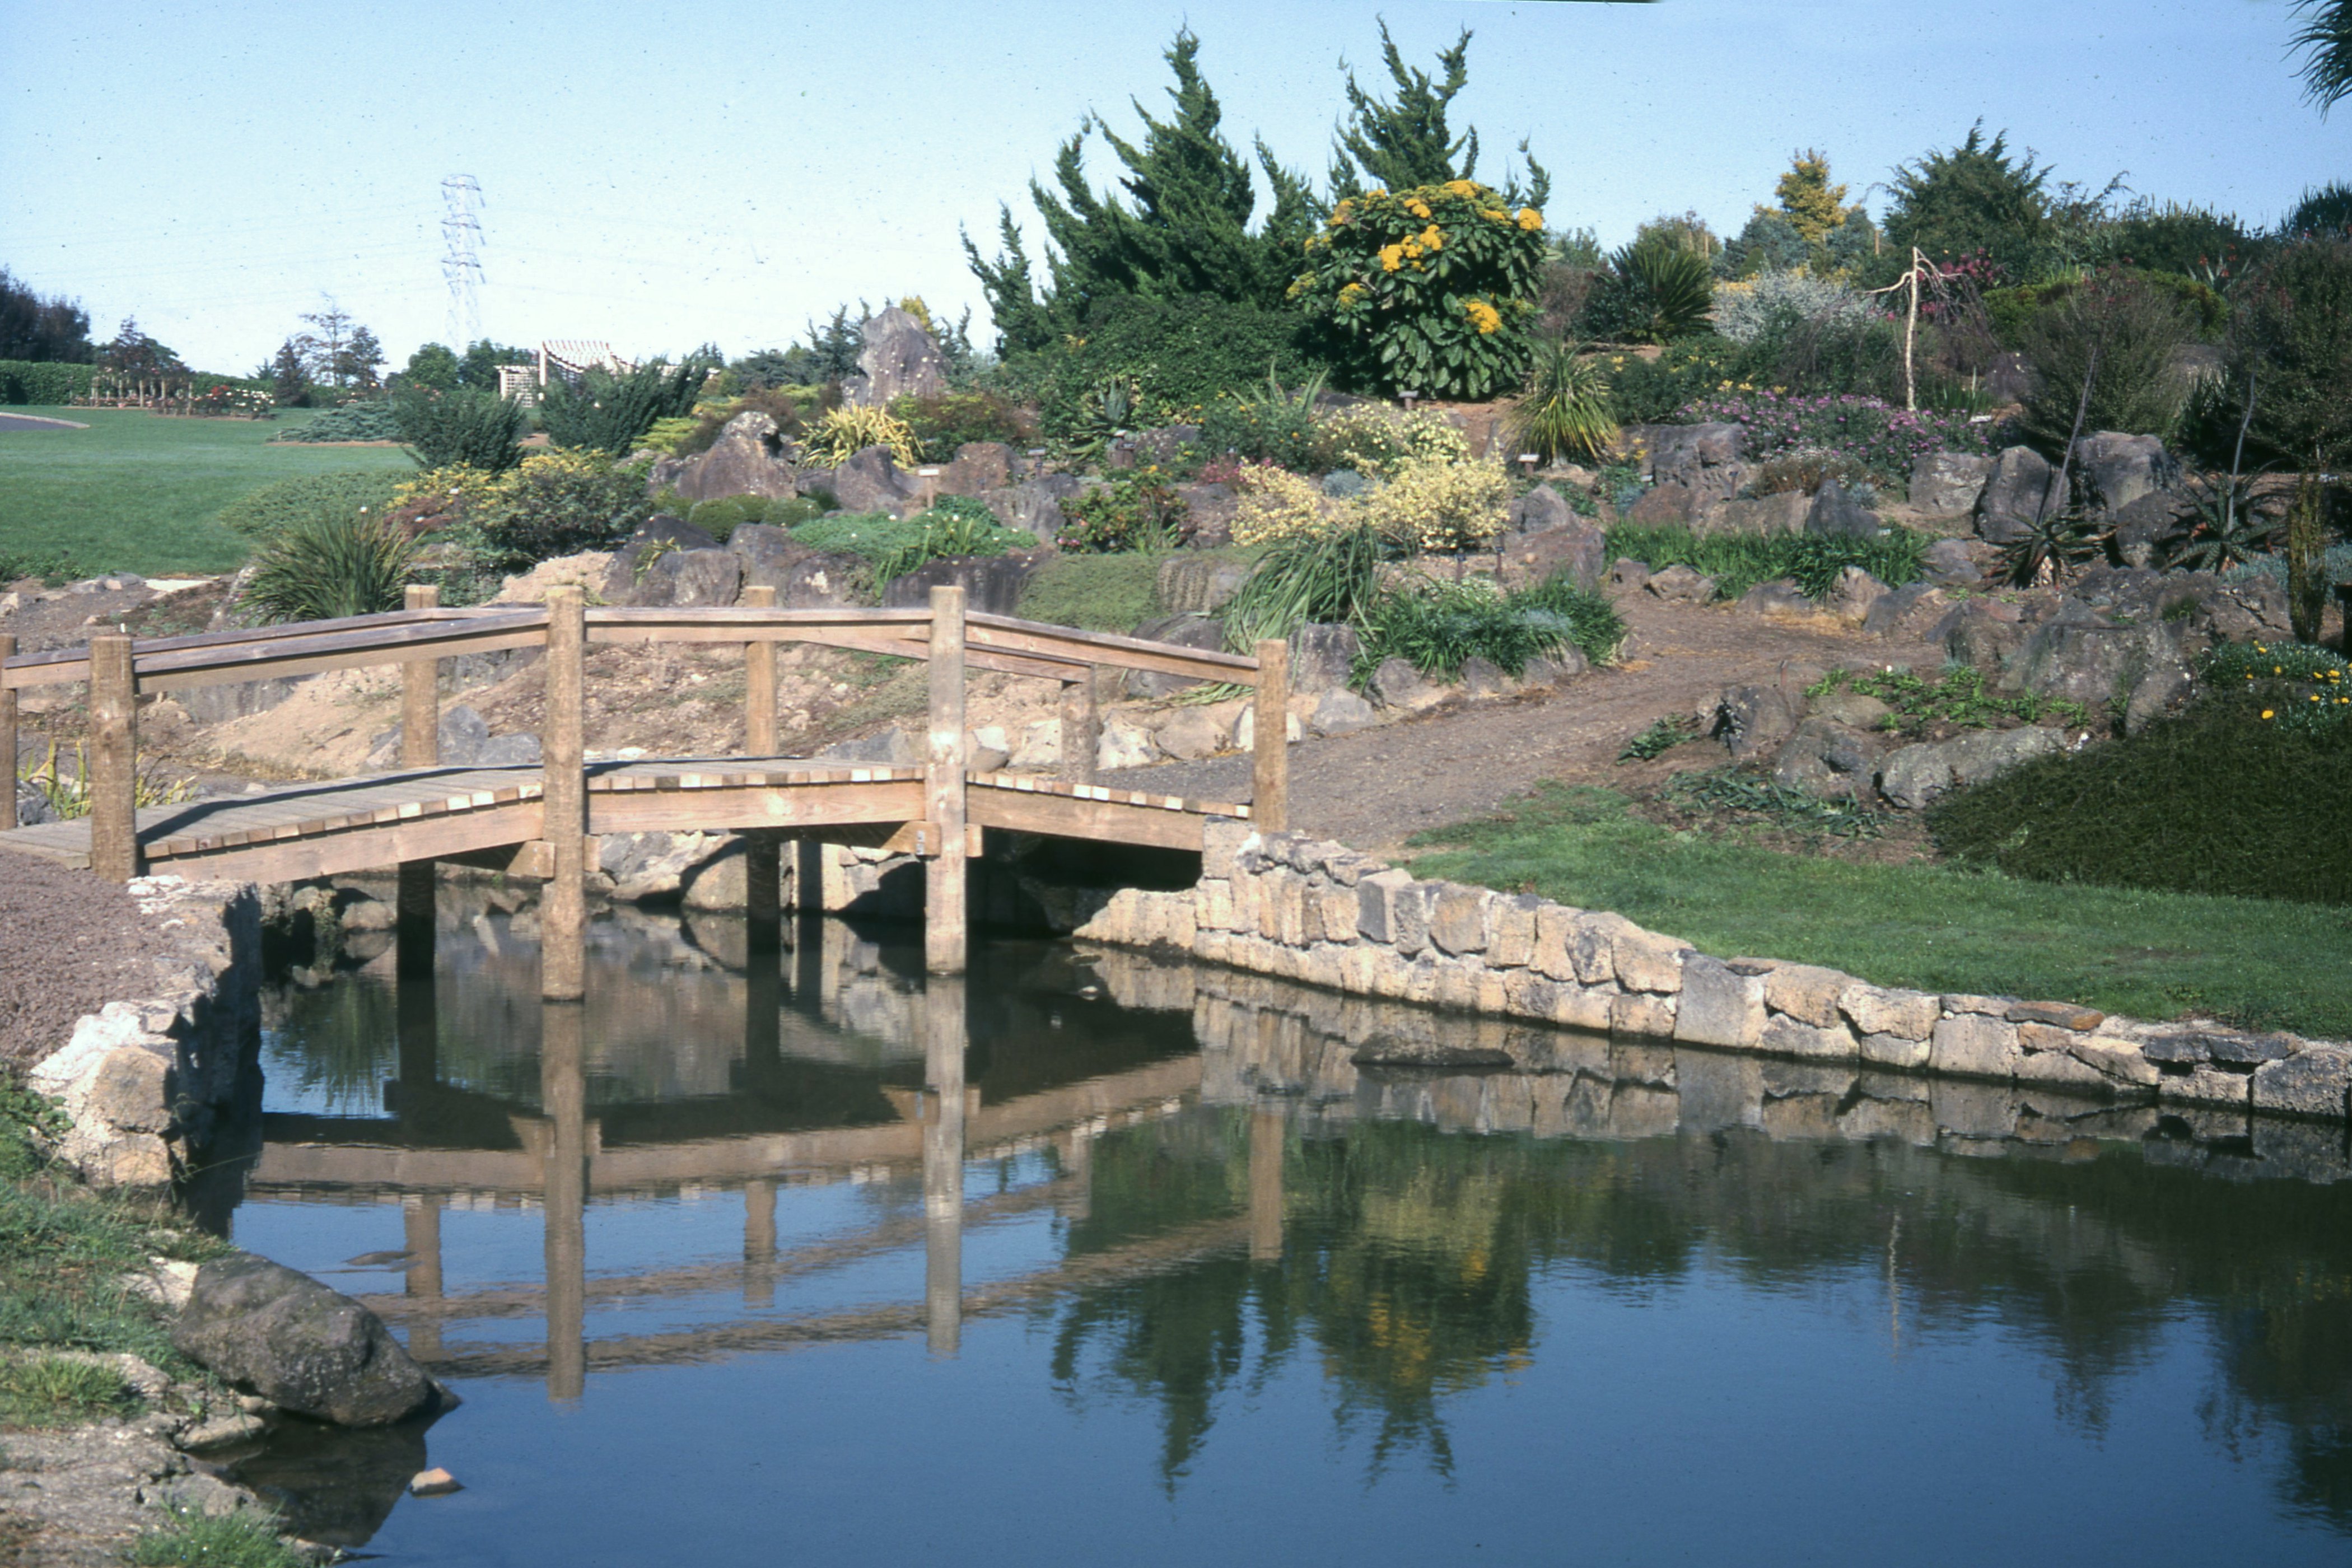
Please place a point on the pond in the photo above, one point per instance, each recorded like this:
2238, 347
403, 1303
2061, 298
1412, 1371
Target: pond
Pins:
1091, 1258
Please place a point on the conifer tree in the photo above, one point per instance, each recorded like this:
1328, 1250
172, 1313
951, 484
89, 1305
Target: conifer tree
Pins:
1407, 140
1813, 206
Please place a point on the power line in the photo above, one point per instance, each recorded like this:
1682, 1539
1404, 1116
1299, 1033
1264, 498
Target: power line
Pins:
461, 266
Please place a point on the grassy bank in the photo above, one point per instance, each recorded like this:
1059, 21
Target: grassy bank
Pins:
2257, 963
136, 492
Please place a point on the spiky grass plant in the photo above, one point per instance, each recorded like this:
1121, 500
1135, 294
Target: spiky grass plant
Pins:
1565, 412
848, 431
1321, 578
327, 567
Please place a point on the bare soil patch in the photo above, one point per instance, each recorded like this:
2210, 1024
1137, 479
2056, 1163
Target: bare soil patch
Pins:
70, 941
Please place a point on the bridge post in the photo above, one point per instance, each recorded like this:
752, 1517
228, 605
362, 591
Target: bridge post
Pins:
8, 729
944, 1037
763, 853
420, 747
1270, 738
562, 905
943, 790
1082, 725
112, 780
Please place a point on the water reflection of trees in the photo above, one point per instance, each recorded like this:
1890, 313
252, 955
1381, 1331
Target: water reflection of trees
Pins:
1408, 1257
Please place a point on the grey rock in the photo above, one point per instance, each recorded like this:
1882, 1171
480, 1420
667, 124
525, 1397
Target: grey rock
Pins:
1837, 515
520, 749
992, 584
1484, 677
1707, 460
690, 578
1577, 550
807, 579
1662, 505
1541, 508
2082, 658
1395, 1051
1193, 631
1034, 506
463, 734
979, 466
2143, 527
748, 459
1981, 632
871, 480
1627, 573
2314, 1082
659, 535
1165, 443
1844, 705
1781, 597
2161, 689
1199, 583
1829, 759
1752, 720
1783, 512
1952, 563
237, 699
1915, 775
303, 1347
889, 749
2023, 487
899, 358
1396, 684
2118, 470
1947, 484
1681, 584
1342, 712
1906, 613
1544, 671
1322, 656
1854, 593
33, 807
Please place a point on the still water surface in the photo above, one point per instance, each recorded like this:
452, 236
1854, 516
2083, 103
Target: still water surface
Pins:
1089, 1260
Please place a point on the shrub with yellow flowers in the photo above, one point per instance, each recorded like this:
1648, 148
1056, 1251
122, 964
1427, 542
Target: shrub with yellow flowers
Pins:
1429, 289
1378, 441
1435, 505
1277, 506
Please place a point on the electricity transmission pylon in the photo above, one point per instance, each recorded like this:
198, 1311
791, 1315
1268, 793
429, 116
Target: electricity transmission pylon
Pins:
461, 261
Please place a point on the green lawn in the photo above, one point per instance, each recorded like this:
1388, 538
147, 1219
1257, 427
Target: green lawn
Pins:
139, 493
2148, 954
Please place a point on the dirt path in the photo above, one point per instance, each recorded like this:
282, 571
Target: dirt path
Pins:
69, 942
1375, 789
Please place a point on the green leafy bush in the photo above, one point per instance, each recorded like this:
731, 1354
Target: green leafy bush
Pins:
276, 505
941, 425
2219, 800
377, 419
1429, 288
954, 526
1267, 423
1653, 291
1644, 389
2292, 333
2119, 335
1659, 737
609, 413
558, 504
1739, 561
323, 567
473, 429
1135, 512
1182, 355
720, 518
42, 383
2291, 686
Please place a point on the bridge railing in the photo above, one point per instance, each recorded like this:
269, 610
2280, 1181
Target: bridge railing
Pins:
119, 669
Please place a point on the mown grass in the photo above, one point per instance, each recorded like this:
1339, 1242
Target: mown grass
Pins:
139, 493
2151, 954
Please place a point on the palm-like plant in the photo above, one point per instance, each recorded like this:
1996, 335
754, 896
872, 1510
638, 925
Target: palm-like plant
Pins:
2223, 528
1566, 409
323, 568
2325, 43
1672, 288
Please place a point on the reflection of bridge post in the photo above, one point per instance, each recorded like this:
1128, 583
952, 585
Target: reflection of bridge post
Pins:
760, 1242
1074, 1151
563, 1096
944, 1037
417, 1024
1266, 1187
420, 1218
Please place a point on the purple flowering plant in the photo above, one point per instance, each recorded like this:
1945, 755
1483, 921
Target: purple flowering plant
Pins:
1881, 437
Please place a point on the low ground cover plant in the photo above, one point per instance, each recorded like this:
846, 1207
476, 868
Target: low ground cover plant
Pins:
955, 525
374, 420
2145, 953
1954, 699
1741, 798
1133, 512
1739, 561
1883, 438
1093, 592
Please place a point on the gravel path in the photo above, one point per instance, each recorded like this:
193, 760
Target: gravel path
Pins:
1375, 789
69, 942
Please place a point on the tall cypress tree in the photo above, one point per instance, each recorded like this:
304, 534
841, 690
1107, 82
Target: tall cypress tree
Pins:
1406, 141
1177, 226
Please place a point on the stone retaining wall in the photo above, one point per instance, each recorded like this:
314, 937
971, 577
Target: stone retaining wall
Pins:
1320, 913
144, 1080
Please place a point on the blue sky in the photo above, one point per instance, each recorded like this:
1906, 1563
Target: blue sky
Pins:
660, 175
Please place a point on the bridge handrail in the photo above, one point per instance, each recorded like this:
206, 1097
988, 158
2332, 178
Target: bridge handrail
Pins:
398, 636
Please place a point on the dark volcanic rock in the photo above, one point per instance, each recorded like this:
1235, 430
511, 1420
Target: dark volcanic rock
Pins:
298, 1344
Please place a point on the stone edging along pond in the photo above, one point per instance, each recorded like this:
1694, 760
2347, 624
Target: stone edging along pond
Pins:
1314, 911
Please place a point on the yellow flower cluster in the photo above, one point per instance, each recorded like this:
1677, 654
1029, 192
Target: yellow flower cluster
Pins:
1378, 442
1485, 317
1352, 292
1530, 219
1278, 505
1437, 505
1466, 187
1417, 207
1391, 257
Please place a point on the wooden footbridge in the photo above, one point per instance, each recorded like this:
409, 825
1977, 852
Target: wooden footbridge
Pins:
542, 821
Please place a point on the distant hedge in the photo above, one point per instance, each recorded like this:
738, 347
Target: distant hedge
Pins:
2219, 800
42, 382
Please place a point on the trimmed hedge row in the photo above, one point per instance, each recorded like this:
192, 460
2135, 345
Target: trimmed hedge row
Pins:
42, 382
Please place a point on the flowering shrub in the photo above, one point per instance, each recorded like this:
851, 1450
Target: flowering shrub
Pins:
557, 502
1136, 512
1277, 506
1429, 288
1884, 440
1773, 301
1434, 505
2298, 687
1378, 441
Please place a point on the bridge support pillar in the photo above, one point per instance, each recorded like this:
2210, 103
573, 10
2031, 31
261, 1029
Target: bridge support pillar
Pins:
8, 731
944, 900
562, 904
944, 1037
1270, 738
114, 759
763, 875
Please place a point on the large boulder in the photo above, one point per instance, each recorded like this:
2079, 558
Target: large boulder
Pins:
1184, 629
1914, 776
1577, 550
1752, 720
1981, 632
1198, 583
872, 481
748, 459
305, 1348
1954, 564
1906, 614
1947, 484
900, 359
656, 536
1034, 506
1541, 508
1211, 507
1707, 459
2021, 488
2118, 470
992, 584
1322, 656
1824, 757
2144, 526
979, 466
1783, 512
1663, 506
689, 578
1837, 515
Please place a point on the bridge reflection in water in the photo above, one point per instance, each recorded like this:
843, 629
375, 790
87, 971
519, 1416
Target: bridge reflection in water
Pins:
1188, 1175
